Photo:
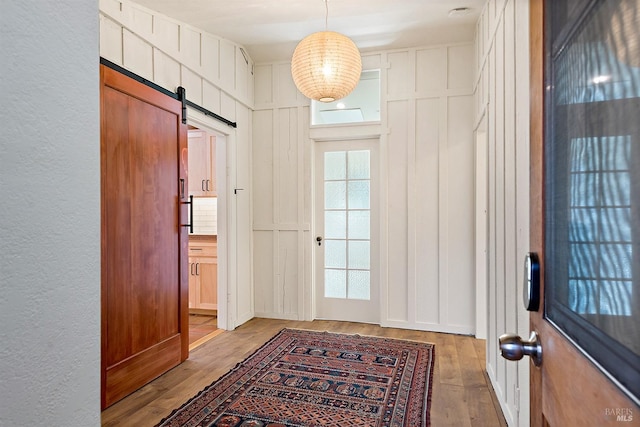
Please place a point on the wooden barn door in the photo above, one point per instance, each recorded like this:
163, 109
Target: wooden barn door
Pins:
144, 247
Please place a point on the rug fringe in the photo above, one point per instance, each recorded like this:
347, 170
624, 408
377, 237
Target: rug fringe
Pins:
361, 335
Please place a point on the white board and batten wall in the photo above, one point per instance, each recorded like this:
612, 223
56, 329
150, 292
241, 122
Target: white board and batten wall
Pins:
501, 88
214, 71
427, 189
217, 75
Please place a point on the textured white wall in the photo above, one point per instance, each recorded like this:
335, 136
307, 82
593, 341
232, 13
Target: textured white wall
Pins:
502, 102
49, 214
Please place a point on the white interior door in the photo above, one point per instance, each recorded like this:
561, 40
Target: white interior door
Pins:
346, 224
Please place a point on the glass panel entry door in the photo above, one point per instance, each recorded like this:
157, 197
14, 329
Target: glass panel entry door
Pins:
345, 241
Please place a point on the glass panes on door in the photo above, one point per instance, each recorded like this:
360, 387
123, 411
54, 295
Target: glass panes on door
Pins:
600, 240
592, 182
347, 218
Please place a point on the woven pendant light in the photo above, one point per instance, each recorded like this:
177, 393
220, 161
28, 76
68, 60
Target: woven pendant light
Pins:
326, 66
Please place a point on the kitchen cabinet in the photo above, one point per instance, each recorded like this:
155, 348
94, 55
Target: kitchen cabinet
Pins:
203, 275
202, 161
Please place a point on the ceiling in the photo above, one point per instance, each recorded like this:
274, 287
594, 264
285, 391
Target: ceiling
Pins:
270, 29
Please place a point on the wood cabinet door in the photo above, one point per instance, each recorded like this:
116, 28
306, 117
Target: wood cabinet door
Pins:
203, 290
144, 284
201, 163
194, 285
584, 198
208, 275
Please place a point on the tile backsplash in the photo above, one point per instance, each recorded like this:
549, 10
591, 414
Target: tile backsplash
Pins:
205, 215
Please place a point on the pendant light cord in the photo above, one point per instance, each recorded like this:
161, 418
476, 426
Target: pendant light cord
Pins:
326, 16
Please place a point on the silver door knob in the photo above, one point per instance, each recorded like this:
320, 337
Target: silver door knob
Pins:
512, 347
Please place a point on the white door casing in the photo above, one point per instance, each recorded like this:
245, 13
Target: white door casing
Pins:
232, 253
346, 239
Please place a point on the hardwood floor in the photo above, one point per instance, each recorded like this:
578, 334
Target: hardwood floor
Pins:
462, 395
201, 326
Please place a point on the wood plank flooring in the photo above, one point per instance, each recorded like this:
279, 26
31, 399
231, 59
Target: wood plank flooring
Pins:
200, 326
462, 395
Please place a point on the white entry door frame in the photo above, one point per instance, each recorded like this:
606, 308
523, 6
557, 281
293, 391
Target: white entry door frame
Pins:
346, 231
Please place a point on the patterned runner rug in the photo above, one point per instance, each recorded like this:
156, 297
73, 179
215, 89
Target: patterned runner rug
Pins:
306, 378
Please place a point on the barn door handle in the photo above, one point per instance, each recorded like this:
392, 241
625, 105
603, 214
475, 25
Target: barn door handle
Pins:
190, 225
512, 347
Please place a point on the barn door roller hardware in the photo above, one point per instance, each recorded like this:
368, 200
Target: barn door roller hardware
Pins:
182, 97
181, 94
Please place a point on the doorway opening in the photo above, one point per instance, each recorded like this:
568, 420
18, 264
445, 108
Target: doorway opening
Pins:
206, 160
